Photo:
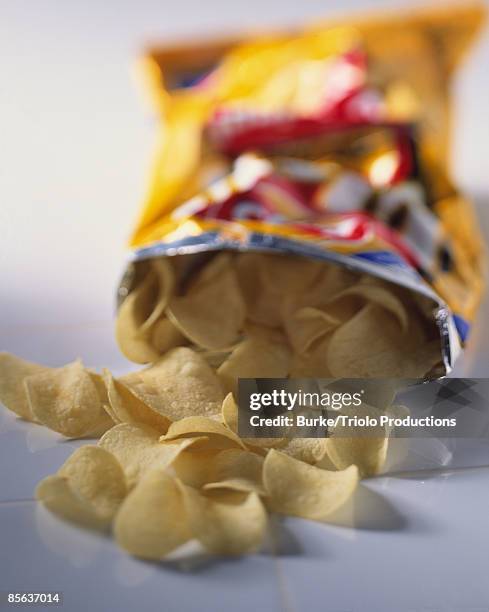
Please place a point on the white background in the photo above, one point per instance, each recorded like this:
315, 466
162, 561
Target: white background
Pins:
76, 141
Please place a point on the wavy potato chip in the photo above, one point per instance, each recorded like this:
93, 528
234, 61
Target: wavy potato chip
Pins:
303, 490
370, 345
236, 469
66, 400
125, 407
230, 419
367, 449
314, 362
88, 488
210, 314
178, 385
151, 521
191, 466
166, 282
378, 295
165, 336
138, 449
134, 311
308, 325
13, 372
222, 527
219, 436
289, 274
255, 358
308, 450
56, 494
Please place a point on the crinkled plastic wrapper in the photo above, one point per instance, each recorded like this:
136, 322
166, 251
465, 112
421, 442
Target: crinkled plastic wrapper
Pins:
330, 143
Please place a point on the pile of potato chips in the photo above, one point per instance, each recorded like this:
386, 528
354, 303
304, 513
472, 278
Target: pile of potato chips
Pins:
170, 466
272, 316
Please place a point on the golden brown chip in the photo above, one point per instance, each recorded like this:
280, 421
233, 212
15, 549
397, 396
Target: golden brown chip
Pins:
309, 450
165, 336
255, 358
152, 521
370, 345
223, 527
166, 281
384, 298
314, 362
178, 385
125, 407
299, 489
13, 372
307, 326
219, 436
289, 274
138, 449
192, 466
66, 400
230, 419
133, 313
88, 489
366, 448
211, 314
238, 470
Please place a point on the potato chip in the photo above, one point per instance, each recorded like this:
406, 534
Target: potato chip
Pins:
13, 372
134, 311
165, 336
289, 274
218, 264
225, 528
125, 407
230, 419
56, 494
247, 272
266, 309
238, 470
216, 358
66, 400
137, 448
314, 362
370, 345
367, 449
166, 281
309, 450
192, 466
219, 435
212, 314
303, 490
152, 521
307, 326
230, 412
378, 295
88, 489
255, 358
178, 385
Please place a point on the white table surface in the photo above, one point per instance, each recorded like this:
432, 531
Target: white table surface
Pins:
75, 148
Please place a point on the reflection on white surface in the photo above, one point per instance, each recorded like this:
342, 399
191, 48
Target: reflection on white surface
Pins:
130, 572
78, 546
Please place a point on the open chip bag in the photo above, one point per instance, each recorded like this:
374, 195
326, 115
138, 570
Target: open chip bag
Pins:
329, 145
301, 223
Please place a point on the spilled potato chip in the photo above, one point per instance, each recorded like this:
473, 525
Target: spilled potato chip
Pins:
226, 526
303, 490
13, 393
170, 465
151, 522
88, 489
66, 400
